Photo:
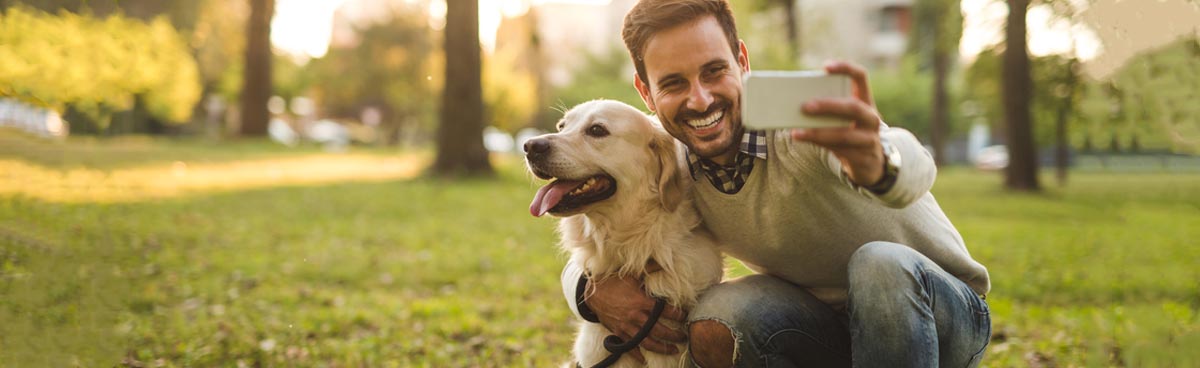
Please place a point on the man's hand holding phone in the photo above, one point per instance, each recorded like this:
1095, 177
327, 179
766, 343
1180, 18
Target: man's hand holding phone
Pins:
855, 141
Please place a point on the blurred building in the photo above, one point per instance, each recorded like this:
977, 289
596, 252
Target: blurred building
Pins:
357, 14
567, 32
869, 32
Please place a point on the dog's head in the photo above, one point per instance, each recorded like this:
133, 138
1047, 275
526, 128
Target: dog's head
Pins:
605, 153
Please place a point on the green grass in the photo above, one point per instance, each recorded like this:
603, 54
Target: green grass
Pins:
369, 269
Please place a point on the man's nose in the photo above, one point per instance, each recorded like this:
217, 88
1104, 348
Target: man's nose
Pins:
699, 98
537, 147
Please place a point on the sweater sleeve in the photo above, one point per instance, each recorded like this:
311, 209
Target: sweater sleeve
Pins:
571, 275
917, 170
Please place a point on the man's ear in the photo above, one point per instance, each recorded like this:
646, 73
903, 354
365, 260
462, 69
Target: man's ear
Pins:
743, 57
671, 187
644, 91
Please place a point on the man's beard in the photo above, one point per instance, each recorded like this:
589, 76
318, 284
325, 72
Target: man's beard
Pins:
731, 117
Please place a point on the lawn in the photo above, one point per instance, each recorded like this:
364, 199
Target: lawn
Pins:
149, 252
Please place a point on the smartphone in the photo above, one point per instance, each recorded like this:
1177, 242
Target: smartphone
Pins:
772, 99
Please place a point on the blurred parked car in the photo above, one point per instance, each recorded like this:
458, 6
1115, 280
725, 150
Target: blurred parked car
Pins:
992, 158
31, 119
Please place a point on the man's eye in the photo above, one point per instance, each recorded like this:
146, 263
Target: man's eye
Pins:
597, 131
715, 71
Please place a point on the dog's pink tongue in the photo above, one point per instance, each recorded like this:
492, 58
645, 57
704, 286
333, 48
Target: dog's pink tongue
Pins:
548, 196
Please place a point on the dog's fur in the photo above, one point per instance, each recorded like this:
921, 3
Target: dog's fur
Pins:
647, 218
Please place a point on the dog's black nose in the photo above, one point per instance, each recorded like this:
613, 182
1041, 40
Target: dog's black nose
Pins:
537, 147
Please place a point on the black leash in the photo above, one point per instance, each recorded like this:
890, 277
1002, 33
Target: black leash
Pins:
614, 345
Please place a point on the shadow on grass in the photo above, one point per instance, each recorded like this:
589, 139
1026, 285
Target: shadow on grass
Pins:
114, 153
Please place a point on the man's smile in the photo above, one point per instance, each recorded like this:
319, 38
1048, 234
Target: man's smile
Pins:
706, 121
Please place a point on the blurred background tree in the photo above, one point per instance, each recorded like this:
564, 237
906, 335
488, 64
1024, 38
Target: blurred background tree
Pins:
1021, 173
934, 38
389, 67
1158, 93
94, 68
256, 77
460, 147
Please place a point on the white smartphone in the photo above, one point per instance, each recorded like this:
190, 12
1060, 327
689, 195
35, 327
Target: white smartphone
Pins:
772, 99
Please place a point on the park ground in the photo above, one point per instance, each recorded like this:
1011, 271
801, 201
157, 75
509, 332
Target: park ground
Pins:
151, 252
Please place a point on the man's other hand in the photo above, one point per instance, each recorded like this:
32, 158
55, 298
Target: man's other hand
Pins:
623, 307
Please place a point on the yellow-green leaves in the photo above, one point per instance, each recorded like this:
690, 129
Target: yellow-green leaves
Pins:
65, 59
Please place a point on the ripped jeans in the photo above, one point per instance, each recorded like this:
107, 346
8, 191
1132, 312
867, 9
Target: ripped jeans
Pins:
903, 311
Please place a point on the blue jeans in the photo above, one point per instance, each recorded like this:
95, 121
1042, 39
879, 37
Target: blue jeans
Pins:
903, 311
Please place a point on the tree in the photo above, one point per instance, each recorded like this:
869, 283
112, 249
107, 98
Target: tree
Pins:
460, 131
90, 68
935, 38
256, 77
793, 25
387, 69
1022, 170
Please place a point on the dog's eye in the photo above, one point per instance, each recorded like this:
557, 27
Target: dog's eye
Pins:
597, 131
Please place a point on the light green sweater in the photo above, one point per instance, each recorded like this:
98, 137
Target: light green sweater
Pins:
799, 219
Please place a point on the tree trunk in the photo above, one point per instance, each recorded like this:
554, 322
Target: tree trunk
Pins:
1021, 173
937, 126
1061, 151
460, 130
256, 76
793, 30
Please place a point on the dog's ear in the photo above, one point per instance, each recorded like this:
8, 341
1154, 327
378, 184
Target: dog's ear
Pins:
671, 187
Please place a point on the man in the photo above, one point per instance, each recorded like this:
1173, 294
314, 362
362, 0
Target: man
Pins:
856, 263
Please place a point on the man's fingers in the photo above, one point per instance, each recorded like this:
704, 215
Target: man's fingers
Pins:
654, 341
667, 334
637, 354
658, 346
628, 330
834, 139
858, 77
863, 116
673, 313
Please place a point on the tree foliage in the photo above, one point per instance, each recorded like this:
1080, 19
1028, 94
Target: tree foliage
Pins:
510, 95
607, 75
393, 67
934, 39
1049, 73
1155, 95
97, 66
903, 95
1151, 98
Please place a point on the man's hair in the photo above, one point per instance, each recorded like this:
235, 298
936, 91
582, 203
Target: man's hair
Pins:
649, 17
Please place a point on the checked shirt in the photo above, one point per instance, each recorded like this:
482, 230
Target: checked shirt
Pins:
730, 179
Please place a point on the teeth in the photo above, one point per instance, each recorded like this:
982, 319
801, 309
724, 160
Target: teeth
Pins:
585, 187
706, 121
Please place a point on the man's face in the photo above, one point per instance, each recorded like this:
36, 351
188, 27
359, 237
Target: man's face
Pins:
694, 84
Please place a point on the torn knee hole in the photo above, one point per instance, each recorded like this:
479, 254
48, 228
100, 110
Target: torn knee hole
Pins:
712, 344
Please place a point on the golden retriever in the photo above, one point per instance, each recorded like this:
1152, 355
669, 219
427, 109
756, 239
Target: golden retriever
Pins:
623, 203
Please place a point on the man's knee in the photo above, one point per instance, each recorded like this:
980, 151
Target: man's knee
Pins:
881, 261
711, 344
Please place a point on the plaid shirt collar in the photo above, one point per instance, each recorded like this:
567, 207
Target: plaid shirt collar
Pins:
730, 179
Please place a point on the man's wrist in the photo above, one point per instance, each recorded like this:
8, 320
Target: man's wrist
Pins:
580, 290
891, 169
